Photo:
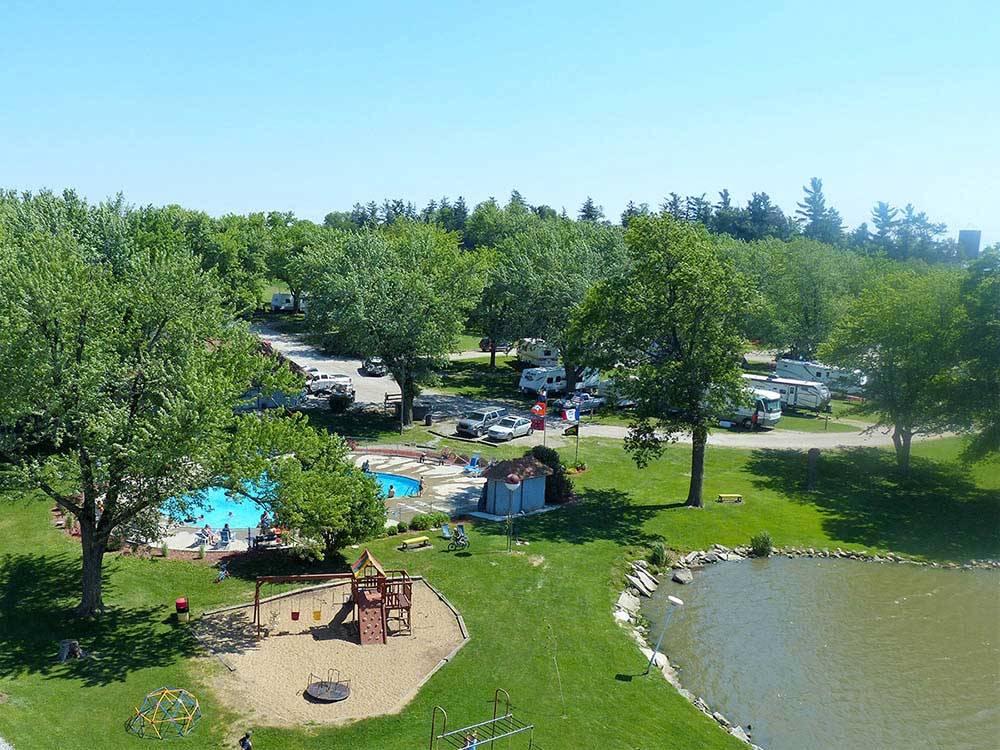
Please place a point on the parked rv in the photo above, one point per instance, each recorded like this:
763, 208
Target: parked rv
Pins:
761, 409
796, 395
836, 379
282, 302
536, 352
553, 380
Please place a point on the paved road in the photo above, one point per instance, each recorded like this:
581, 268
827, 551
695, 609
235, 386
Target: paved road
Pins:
373, 390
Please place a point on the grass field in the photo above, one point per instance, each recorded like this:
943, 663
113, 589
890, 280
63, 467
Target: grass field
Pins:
540, 619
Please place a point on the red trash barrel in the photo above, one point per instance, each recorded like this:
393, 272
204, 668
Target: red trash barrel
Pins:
181, 605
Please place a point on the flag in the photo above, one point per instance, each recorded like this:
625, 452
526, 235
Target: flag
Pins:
537, 423
573, 429
543, 396
539, 409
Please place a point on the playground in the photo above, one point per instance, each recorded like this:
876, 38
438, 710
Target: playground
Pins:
375, 635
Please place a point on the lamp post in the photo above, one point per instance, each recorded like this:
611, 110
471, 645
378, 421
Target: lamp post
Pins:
512, 483
673, 602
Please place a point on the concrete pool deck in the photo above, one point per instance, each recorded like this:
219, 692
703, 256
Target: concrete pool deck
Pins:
447, 488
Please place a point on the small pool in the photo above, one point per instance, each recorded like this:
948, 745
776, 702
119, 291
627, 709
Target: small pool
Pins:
219, 508
404, 486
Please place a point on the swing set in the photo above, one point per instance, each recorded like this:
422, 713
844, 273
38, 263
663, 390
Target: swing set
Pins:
379, 597
503, 726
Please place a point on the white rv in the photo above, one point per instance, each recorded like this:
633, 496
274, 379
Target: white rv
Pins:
553, 380
835, 378
795, 394
282, 302
761, 409
536, 352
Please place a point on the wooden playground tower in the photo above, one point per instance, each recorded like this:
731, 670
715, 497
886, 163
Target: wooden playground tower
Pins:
380, 597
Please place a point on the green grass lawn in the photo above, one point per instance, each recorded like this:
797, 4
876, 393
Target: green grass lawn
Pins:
474, 378
540, 619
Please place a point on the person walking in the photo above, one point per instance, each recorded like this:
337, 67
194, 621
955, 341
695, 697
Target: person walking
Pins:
245, 742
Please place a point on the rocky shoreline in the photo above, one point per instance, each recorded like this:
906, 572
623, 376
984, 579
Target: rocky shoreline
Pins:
642, 582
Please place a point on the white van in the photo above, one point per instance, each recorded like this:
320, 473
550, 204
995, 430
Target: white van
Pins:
835, 378
795, 394
765, 404
536, 352
282, 302
553, 379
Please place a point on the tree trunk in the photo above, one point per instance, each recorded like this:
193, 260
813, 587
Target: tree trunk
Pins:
493, 352
296, 300
699, 438
94, 542
901, 439
408, 392
571, 376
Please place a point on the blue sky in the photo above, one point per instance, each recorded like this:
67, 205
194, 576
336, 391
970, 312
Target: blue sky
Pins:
313, 106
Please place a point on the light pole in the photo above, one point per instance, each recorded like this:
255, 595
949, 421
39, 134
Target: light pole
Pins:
512, 482
673, 602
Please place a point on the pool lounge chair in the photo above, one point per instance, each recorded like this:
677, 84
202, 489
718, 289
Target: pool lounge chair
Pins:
446, 531
473, 466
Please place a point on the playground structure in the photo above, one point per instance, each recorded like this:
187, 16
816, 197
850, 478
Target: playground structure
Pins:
379, 598
503, 726
165, 712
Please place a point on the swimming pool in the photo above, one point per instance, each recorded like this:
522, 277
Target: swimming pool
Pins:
218, 508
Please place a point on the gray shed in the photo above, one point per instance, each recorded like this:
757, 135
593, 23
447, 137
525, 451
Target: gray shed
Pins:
499, 501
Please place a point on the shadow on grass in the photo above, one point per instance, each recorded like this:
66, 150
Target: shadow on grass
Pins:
37, 595
600, 515
936, 512
476, 379
358, 424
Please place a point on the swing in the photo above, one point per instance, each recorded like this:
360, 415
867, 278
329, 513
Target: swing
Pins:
317, 609
295, 612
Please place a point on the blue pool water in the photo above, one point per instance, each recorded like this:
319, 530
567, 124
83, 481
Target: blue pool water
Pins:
219, 509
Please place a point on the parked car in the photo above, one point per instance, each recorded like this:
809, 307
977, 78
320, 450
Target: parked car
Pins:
325, 382
374, 367
509, 428
341, 396
485, 345
585, 401
478, 422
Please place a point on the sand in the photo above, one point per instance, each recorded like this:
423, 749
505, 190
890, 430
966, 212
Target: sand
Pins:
269, 676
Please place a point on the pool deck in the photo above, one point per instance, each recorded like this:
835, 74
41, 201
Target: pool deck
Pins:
447, 488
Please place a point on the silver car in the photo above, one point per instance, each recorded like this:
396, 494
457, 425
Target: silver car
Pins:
509, 428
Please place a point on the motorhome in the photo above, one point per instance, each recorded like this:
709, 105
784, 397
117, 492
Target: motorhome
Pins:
282, 302
796, 395
553, 379
836, 379
761, 409
536, 352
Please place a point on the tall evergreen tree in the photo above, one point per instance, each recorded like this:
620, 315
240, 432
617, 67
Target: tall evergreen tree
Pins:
590, 211
820, 222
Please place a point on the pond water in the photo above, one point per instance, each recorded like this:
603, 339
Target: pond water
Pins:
820, 653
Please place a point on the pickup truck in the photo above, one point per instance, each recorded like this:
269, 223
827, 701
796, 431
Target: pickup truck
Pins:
586, 402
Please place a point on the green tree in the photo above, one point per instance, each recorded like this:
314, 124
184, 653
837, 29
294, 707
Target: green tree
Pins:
820, 222
885, 223
121, 369
312, 487
903, 332
979, 352
590, 211
402, 293
669, 331
289, 239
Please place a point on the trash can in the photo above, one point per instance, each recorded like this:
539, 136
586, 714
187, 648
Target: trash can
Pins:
181, 605
421, 411
428, 419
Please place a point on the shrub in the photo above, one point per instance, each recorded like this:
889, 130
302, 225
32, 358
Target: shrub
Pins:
165, 550
421, 522
558, 486
761, 545
440, 518
658, 555
201, 552
402, 526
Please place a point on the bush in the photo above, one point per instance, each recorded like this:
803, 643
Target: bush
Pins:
658, 555
201, 552
165, 550
761, 545
402, 527
440, 518
558, 486
422, 522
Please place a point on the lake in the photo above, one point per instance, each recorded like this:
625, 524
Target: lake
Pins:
822, 653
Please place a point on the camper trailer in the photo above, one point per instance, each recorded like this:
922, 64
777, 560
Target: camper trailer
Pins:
834, 378
761, 409
537, 353
553, 380
796, 395
282, 302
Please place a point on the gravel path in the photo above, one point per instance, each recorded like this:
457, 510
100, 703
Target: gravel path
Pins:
374, 390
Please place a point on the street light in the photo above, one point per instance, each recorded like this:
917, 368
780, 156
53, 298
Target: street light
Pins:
674, 602
512, 482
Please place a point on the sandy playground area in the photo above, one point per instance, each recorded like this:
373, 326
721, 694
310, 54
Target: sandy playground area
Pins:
266, 678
